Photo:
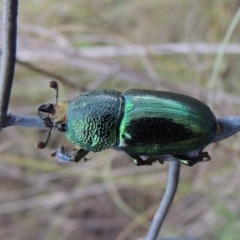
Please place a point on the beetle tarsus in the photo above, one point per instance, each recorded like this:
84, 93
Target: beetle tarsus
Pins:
74, 156
143, 162
190, 161
151, 159
61, 156
86, 159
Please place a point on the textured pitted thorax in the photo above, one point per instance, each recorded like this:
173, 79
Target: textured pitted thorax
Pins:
93, 119
61, 111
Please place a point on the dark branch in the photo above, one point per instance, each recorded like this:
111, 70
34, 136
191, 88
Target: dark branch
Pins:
229, 125
25, 121
8, 56
172, 183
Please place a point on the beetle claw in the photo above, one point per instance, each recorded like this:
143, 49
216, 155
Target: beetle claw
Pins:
61, 156
152, 159
200, 156
54, 153
205, 157
86, 159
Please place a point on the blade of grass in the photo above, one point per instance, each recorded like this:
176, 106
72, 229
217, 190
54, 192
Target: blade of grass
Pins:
219, 58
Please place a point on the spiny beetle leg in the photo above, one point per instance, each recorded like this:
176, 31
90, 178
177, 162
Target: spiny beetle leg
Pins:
74, 156
78, 154
140, 162
135, 159
61, 156
151, 159
190, 161
156, 158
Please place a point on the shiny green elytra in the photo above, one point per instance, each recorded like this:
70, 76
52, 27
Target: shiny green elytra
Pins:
143, 123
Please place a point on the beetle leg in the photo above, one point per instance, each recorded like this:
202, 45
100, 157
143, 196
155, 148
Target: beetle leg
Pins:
151, 159
74, 156
136, 159
190, 161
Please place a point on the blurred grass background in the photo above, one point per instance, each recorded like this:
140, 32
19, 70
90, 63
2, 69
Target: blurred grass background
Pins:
108, 197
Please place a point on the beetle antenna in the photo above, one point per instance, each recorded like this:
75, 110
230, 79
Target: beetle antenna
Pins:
54, 85
42, 145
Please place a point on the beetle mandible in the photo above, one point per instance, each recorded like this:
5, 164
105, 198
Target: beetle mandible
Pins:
144, 124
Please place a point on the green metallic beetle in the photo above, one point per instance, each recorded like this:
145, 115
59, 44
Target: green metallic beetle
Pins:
144, 124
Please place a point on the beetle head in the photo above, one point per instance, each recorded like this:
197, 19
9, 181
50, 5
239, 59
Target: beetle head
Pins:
53, 115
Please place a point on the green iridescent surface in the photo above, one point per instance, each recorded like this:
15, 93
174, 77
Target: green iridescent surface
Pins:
93, 119
157, 122
140, 122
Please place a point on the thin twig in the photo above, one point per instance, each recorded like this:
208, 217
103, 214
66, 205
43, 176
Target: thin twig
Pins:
53, 200
10, 8
172, 183
47, 73
219, 58
47, 52
157, 49
228, 126
25, 121
174, 238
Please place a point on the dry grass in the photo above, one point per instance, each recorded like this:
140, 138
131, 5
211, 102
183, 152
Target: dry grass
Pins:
108, 197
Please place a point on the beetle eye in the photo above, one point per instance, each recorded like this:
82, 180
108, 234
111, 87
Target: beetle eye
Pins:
62, 127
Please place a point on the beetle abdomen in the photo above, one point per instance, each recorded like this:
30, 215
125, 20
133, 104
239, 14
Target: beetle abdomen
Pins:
156, 122
93, 119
